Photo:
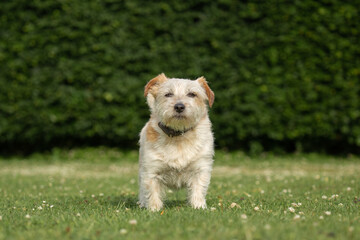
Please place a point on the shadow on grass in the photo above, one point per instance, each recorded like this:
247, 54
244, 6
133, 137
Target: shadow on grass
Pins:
131, 202
125, 201
175, 203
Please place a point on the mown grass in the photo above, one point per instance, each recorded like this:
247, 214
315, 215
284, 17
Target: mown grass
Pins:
92, 194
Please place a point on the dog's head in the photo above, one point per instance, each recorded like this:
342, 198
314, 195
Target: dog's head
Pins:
178, 103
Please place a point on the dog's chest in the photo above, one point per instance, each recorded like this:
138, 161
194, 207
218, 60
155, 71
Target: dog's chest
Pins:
175, 178
175, 164
180, 154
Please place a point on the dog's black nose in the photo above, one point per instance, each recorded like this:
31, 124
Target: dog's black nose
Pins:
179, 107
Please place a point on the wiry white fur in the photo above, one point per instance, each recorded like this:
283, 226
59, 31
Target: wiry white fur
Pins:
181, 161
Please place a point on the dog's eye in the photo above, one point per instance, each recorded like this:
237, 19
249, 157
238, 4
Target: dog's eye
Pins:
169, 95
191, 94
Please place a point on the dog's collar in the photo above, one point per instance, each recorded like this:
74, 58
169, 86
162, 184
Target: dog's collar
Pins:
170, 131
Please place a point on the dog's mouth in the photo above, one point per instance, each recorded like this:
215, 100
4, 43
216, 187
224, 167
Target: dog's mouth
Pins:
179, 116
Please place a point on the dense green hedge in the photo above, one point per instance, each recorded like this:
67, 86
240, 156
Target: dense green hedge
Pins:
285, 74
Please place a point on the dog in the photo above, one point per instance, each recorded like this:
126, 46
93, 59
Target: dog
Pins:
177, 143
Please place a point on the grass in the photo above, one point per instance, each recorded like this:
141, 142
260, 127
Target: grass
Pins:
92, 194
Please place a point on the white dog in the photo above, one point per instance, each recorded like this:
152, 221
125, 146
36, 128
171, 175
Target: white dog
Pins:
176, 144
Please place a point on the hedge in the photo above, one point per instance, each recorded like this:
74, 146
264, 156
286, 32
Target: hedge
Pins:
285, 73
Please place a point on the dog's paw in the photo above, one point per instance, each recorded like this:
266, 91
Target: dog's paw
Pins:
155, 206
141, 204
199, 204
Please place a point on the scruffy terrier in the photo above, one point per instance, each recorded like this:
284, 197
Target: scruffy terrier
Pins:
176, 144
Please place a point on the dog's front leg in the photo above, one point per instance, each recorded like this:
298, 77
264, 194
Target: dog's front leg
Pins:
197, 188
153, 191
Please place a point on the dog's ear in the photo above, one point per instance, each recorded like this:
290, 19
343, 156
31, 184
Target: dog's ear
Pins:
152, 85
210, 94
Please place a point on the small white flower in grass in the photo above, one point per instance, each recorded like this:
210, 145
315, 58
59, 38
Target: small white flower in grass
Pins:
348, 189
117, 211
78, 215
123, 231
212, 209
328, 213
340, 205
127, 209
40, 208
301, 213
296, 217
44, 201
101, 194
256, 208
291, 209
92, 195
324, 197
294, 204
27, 216
51, 206
170, 191
299, 204
334, 196
321, 217
262, 191
243, 216
133, 222
234, 205
248, 195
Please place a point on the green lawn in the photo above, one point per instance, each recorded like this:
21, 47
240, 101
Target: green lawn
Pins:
92, 194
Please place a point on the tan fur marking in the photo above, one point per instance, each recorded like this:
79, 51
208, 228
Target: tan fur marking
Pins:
210, 94
151, 134
152, 85
200, 101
